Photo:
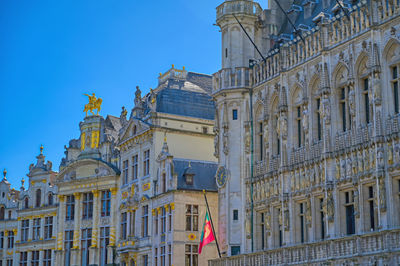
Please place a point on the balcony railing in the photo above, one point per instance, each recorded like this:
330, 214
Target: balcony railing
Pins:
238, 7
370, 244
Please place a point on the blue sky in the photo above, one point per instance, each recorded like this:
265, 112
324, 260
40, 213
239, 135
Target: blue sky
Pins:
52, 52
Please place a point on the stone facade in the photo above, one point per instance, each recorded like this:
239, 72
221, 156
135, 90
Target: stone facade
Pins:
314, 177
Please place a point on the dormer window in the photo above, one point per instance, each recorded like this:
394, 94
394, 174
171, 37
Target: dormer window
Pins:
50, 199
2, 213
26, 203
134, 130
189, 179
38, 197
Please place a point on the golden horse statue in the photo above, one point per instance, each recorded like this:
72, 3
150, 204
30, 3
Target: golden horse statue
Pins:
94, 103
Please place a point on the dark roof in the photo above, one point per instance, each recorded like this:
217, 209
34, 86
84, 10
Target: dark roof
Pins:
317, 8
202, 80
204, 174
185, 103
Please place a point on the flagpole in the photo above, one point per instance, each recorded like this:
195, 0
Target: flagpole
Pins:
212, 224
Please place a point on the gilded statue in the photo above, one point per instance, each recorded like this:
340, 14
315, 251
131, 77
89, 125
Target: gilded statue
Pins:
94, 104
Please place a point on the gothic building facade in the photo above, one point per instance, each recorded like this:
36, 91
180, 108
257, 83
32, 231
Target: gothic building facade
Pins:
308, 132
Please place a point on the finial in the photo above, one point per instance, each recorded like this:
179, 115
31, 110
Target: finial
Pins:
173, 66
41, 149
189, 164
160, 74
183, 68
165, 137
5, 173
204, 191
22, 183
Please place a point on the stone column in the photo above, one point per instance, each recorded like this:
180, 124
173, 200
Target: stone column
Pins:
113, 222
60, 231
94, 248
75, 252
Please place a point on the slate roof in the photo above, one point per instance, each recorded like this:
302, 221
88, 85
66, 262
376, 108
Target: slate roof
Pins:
317, 8
185, 103
204, 174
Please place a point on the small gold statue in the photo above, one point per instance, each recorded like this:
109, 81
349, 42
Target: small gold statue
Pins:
94, 103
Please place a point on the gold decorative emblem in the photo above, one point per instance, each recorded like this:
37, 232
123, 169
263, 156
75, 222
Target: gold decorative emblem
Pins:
192, 236
146, 186
94, 104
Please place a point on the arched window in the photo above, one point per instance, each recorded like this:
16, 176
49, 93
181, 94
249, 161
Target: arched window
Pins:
276, 144
298, 132
38, 197
2, 212
50, 199
392, 54
259, 134
345, 95
26, 203
364, 81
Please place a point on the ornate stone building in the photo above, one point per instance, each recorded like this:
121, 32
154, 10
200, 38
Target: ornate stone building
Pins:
166, 161
309, 134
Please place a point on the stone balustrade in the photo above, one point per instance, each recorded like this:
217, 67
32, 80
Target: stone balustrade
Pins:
366, 248
238, 7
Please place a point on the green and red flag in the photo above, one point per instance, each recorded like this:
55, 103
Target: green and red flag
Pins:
207, 235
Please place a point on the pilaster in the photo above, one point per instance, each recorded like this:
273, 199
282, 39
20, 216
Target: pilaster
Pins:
75, 252
113, 215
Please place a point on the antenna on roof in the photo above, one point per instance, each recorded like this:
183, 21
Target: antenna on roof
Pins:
290, 21
248, 36
346, 12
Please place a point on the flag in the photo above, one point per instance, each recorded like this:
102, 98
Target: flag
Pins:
207, 235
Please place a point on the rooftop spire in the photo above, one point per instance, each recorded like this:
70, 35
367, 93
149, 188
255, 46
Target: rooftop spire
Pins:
5, 174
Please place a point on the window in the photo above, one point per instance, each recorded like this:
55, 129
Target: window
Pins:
38, 198
298, 125
155, 256
318, 115
234, 114
70, 208
24, 230
35, 258
2, 213
163, 220
145, 260
36, 229
191, 257
226, 52
169, 255
145, 220
87, 206
47, 257
349, 207
302, 223
86, 242
395, 85
235, 215
164, 183
261, 140
105, 203
322, 217
192, 217
262, 230
1, 240
10, 239
125, 166
371, 209
104, 242
26, 203
23, 258
9, 215
170, 219
205, 130
146, 163
132, 223
366, 100
124, 225
135, 166
48, 227
156, 222
189, 178
10, 262
162, 256
50, 199
344, 108
68, 244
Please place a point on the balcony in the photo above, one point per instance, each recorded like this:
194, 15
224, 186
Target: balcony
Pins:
238, 7
228, 78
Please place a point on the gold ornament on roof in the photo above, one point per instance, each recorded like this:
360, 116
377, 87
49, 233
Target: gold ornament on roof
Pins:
94, 104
